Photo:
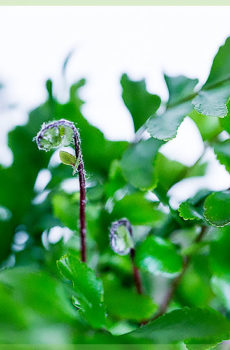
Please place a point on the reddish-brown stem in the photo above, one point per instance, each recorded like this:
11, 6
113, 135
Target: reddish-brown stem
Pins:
81, 173
171, 292
136, 273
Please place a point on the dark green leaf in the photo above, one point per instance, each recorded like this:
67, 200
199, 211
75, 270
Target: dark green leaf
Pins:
220, 69
140, 103
179, 88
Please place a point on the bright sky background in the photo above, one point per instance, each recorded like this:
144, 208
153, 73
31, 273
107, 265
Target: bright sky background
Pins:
141, 41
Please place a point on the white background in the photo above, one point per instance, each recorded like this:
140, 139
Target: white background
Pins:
141, 41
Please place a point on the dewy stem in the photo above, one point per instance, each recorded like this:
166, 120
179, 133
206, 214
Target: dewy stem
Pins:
46, 140
81, 173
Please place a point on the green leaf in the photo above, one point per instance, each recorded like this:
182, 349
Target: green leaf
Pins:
65, 208
179, 87
221, 287
67, 158
122, 303
217, 208
209, 127
222, 151
192, 209
140, 103
220, 69
219, 251
213, 102
205, 327
165, 126
88, 289
138, 210
138, 164
39, 294
158, 256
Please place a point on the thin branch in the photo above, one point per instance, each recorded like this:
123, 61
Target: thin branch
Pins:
172, 290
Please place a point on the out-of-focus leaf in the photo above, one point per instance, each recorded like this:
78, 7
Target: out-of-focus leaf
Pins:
38, 293
220, 69
221, 287
138, 164
219, 251
158, 256
165, 126
205, 327
116, 179
209, 127
88, 288
217, 208
179, 87
222, 151
213, 102
126, 304
195, 287
213, 98
138, 210
140, 103
192, 209
66, 209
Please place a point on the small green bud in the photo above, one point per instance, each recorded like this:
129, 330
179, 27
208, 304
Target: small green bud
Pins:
121, 239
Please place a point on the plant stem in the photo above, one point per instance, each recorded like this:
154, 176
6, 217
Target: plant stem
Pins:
81, 173
136, 273
171, 292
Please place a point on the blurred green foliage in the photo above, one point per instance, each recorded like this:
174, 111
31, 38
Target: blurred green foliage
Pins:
47, 296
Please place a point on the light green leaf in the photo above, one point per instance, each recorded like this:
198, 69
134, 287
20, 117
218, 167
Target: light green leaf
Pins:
140, 103
138, 164
209, 127
88, 288
67, 158
158, 256
138, 210
217, 208
179, 87
213, 102
205, 327
165, 126
222, 151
